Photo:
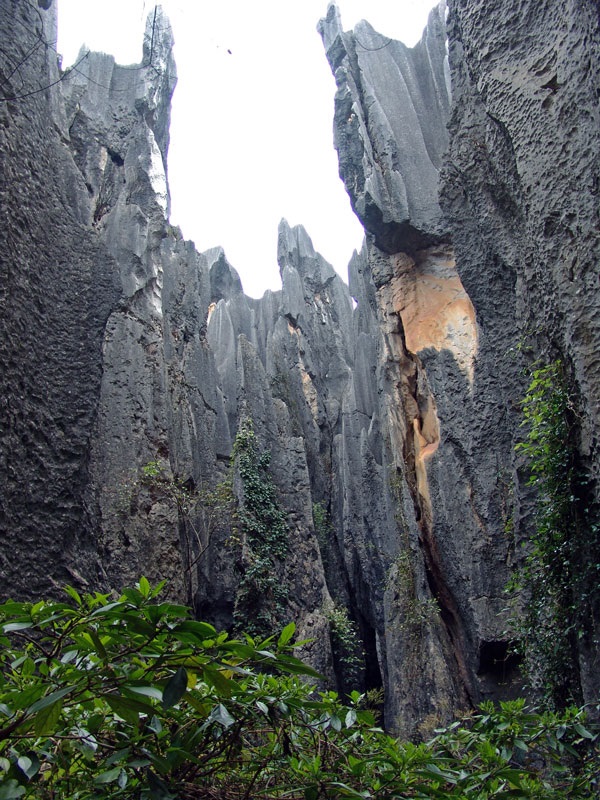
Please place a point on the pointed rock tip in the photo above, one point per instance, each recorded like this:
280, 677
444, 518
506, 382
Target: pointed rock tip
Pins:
158, 36
330, 26
225, 281
292, 239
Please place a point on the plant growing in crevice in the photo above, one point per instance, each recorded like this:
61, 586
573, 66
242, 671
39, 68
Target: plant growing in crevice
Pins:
559, 574
347, 645
261, 597
323, 531
414, 613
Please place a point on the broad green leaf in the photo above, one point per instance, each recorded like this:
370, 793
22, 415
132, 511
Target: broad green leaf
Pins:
9, 790
336, 722
133, 621
98, 644
155, 725
583, 731
74, 594
520, 744
45, 720
202, 706
110, 776
133, 596
199, 630
239, 649
154, 613
144, 586
513, 776
13, 609
158, 588
286, 634
28, 766
162, 764
128, 708
147, 691
215, 677
24, 698
343, 790
222, 716
175, 688
296, 667
109, 607
49, 699
27, 667
350, 718
17, 626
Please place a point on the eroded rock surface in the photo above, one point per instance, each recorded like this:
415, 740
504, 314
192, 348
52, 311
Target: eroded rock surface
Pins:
390, 408
520, 192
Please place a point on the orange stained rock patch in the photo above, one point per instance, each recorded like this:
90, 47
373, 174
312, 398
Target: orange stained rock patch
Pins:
434, 307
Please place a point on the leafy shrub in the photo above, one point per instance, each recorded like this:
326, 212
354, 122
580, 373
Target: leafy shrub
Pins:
130, 697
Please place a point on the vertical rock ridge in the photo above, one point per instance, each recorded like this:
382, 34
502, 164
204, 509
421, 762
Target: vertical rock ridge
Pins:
391, 106
520, 191
390, 409
434, 370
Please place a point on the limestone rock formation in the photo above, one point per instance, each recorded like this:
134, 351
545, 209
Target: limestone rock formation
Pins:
457, 318
447, 555
520, 192
58, 287
384, 413
391, 110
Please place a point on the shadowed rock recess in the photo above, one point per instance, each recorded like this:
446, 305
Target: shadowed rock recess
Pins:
129, 362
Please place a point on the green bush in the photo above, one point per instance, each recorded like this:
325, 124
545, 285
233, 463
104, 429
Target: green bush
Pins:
130, 697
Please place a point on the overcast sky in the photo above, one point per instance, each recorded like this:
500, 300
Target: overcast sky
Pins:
251, 126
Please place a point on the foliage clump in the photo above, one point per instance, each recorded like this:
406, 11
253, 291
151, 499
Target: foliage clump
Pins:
262, 593
130, 697
347, 645
561, 571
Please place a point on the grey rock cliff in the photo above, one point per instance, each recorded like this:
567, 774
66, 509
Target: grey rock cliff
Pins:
520, 191
440, 582
389, 408
517, 199
391, 109
58, 286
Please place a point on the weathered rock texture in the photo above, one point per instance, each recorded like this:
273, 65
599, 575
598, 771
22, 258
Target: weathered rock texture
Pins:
520, 192
441, 610
128, 360
58, 286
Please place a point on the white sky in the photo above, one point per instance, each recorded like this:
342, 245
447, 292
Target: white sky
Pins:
251, 129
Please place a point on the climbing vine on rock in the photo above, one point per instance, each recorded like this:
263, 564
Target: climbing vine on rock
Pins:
347, 645
262, 594
560, 572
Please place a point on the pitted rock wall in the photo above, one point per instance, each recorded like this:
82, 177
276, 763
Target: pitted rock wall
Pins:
520, 192
448, 368
390, 408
